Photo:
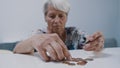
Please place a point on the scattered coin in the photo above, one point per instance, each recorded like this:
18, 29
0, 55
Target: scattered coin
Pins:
77, 61
65, 62
81, 62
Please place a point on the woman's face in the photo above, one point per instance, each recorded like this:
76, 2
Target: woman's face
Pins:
55, 19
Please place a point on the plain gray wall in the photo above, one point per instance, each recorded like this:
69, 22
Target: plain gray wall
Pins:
18, 18
95, 15
119, 23
118, 36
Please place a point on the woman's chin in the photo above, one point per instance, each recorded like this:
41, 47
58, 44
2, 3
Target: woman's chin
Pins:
57, 29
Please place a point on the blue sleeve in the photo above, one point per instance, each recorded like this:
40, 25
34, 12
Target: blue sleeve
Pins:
82, 39
75, 38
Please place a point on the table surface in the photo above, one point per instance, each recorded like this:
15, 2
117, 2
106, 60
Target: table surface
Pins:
108, 58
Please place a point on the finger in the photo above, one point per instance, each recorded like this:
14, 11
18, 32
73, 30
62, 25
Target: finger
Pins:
96, 40
65, 50
58, 49
43, 55
101, 39
91, 45
100, 46
47, 46
96, 35
51, 52
88, 47
94, 43
90, 38
100, 43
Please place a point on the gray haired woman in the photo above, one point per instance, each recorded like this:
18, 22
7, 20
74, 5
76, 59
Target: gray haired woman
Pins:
58, 39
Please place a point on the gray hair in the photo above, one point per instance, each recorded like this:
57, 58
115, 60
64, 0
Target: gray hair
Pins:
61, 5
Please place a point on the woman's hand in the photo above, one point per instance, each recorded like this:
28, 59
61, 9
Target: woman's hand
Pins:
95, 42
52, 44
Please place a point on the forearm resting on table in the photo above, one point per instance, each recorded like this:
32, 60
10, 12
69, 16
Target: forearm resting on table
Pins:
24, 47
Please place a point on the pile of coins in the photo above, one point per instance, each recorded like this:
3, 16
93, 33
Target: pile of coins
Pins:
77, 61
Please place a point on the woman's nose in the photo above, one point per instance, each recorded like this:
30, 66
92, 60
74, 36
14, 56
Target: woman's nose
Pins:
56, 21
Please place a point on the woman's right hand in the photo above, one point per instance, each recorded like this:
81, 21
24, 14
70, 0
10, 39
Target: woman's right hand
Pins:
52, 44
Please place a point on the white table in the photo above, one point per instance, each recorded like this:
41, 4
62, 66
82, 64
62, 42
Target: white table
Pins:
109, 58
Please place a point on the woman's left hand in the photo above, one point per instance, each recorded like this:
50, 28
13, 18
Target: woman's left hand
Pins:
95, 42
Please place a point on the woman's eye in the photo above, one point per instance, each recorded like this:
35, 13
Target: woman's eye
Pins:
60, 16
52, 17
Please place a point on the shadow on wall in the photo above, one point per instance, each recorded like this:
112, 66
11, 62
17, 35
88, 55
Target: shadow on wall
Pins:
109, 42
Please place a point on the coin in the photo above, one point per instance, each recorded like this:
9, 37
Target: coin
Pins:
74, 61
81, 62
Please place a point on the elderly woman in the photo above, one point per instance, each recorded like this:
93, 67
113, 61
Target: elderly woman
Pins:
58, 39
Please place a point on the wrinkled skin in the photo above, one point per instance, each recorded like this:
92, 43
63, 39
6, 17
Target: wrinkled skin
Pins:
96, 42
